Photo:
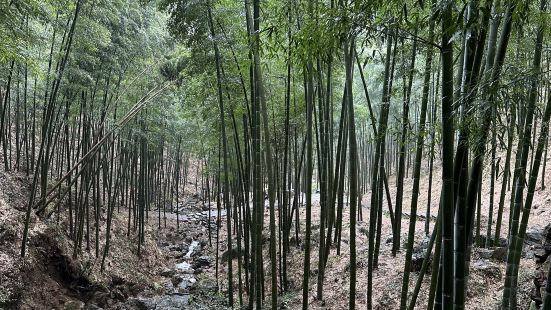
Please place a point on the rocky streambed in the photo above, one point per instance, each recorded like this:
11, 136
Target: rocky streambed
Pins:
186, 283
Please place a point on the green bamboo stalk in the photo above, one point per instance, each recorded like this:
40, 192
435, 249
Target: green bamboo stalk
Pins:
416, 173
448, 196
517, 236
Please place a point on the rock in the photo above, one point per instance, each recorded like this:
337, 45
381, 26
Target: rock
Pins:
547, 238
183, 287
417, 261
143, 303
184, 267
487, 269
202, 261
172, 302
485, 253
73, 305
418, 255
536, 291
496, 253
389, 240
424, 244
541, 255
167, 272
499, 254
168, 287
534, 235
528, 251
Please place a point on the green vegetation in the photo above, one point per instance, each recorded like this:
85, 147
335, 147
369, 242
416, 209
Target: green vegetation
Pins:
283, 106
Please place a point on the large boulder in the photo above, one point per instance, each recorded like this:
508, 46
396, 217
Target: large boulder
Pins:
487, 269
166, 302
418, 256
200, 262
534, 236
496, 253
546, 242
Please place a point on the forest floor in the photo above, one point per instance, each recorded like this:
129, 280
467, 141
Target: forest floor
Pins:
486, 276
167, 275
178, 270
487, 267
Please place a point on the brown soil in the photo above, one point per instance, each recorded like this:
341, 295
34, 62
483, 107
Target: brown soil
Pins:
486, 279
49, 278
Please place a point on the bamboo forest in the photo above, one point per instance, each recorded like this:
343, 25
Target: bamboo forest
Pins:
275, 154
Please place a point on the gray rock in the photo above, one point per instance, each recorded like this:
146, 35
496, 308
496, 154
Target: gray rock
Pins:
184, 267
140, 303
424, 244
172, 302
528, 251
487, 269
534, 235
541, 255
417, 261
499, 254
485, 253
183, 287
547, 237
202, 261
496, 253
167, 302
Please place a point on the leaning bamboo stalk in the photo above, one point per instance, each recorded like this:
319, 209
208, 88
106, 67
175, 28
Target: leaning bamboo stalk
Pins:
133, 111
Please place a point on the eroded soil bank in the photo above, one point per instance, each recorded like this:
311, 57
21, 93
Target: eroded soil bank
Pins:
173, 271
